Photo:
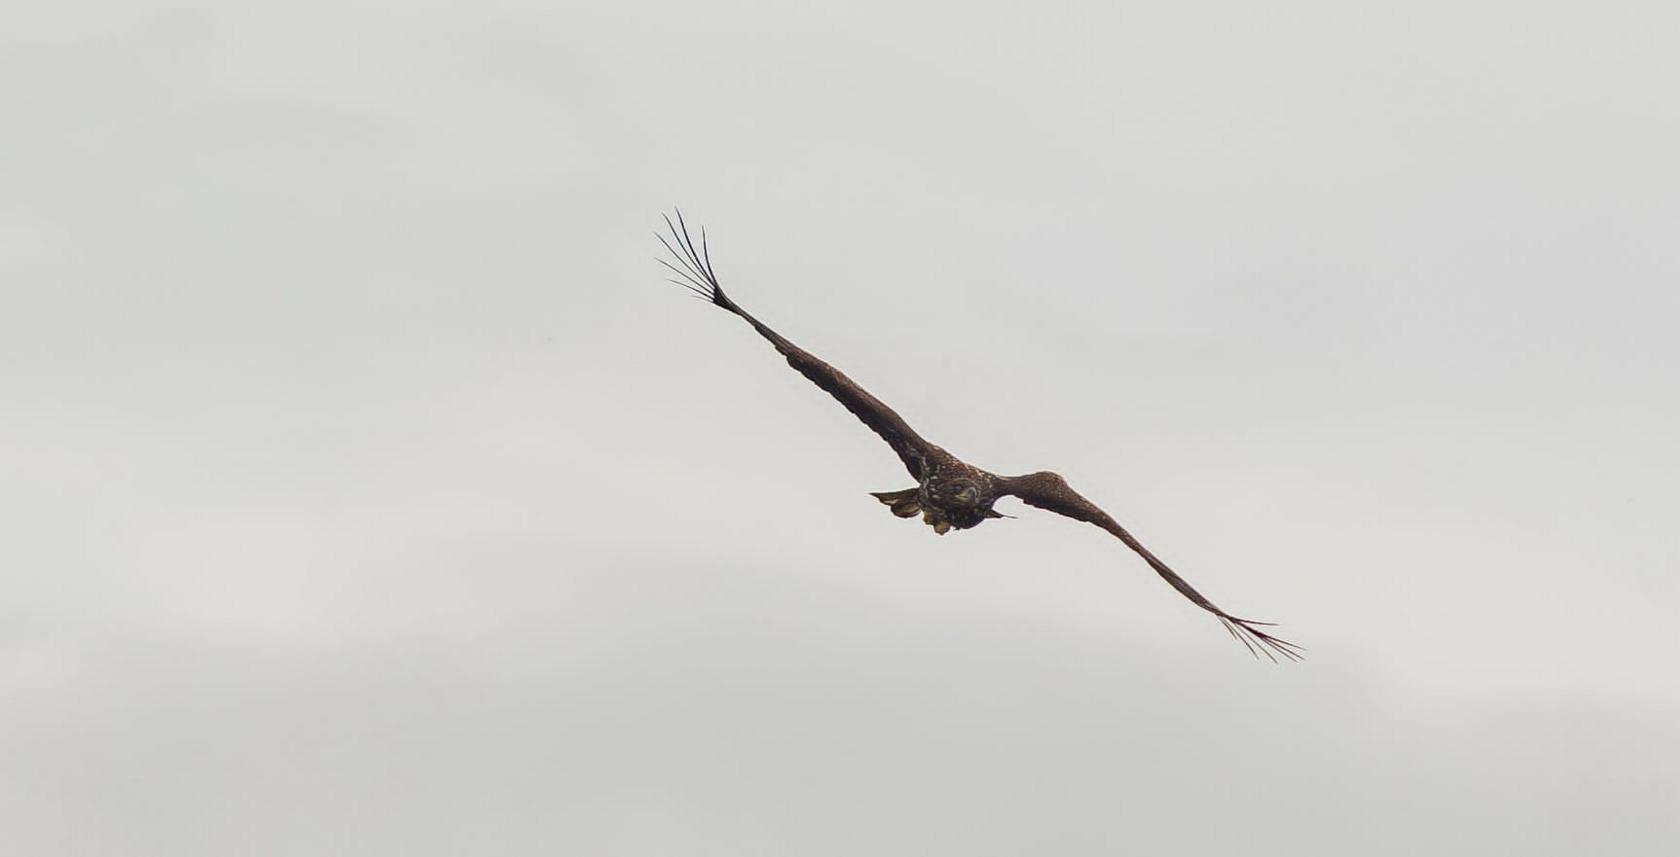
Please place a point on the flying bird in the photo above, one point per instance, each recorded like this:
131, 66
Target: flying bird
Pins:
949, 492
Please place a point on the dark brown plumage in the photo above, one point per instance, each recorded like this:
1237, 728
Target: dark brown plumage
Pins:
950, 493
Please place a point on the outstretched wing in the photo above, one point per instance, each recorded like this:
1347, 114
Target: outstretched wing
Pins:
693, 271
1049, 491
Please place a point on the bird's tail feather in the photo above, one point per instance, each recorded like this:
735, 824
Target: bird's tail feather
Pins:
904, 503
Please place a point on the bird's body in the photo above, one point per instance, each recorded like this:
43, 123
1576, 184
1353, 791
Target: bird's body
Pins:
949, 492
952, 493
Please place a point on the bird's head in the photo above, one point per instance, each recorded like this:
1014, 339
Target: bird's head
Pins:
970, 501
966, 495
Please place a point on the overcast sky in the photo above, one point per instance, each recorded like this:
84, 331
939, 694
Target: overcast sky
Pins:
367, 491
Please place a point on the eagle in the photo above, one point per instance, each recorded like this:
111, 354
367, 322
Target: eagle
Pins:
950, 494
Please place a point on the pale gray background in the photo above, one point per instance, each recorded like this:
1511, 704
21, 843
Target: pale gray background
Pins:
366, 491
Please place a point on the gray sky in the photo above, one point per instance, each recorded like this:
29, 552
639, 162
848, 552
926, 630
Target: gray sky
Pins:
368, 492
